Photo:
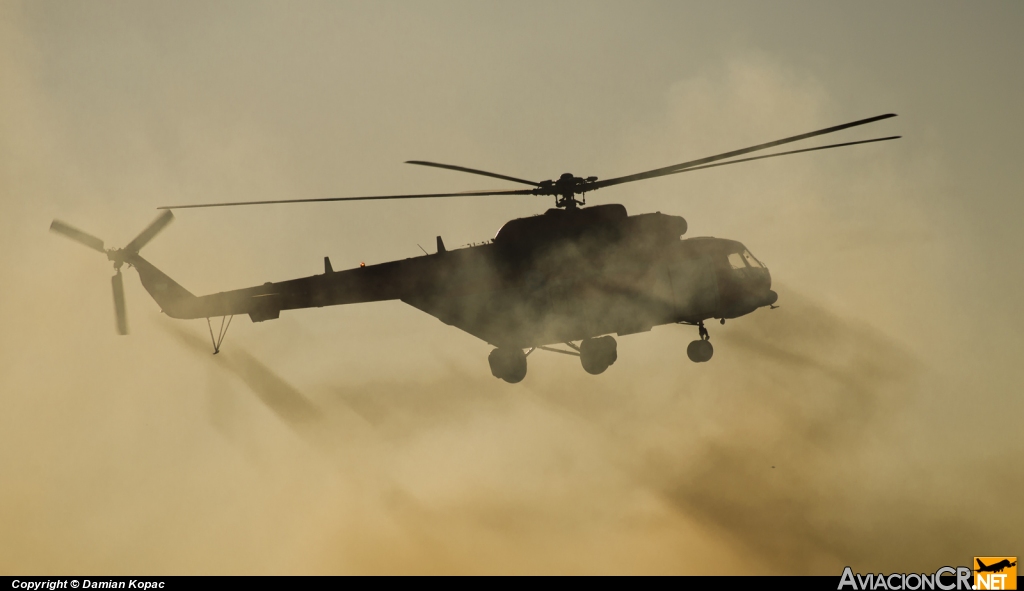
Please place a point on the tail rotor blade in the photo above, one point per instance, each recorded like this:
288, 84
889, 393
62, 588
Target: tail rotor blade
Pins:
119, 309
77, 235
150, 232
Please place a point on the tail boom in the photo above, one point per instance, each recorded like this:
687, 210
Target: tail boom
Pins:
265, 302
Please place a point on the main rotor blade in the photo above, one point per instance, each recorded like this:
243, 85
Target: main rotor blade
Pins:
678, 167
881, 139
119, 309
373, 198
473, 171
77, 235
152, 230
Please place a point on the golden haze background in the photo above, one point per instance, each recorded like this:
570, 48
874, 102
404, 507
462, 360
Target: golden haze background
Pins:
871, 421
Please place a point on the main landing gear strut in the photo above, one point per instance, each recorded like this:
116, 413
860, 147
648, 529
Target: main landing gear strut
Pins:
596, 355
700, 350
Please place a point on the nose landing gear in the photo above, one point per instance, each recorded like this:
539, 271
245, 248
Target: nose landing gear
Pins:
700, 351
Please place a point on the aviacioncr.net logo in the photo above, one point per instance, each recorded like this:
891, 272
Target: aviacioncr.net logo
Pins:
942, 580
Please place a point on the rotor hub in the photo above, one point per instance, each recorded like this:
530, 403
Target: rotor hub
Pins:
565, 189
117, 256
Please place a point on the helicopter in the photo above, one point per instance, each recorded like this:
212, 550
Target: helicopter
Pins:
574, 275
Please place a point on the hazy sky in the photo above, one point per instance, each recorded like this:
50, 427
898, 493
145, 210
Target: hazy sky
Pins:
885, 391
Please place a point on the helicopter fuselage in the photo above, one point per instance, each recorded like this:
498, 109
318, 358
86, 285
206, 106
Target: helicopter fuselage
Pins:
562, 276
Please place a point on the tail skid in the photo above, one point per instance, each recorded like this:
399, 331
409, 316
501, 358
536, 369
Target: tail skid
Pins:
176, 301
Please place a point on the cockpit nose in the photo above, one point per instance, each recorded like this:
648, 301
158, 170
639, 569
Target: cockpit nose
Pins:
754, 277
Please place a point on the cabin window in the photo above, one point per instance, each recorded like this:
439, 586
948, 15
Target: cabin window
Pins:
736, 261
751, 260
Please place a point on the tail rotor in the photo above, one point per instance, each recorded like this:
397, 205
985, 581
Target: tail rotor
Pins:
117, 255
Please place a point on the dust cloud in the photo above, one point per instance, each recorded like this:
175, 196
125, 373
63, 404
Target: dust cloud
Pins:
850, 426
782, 457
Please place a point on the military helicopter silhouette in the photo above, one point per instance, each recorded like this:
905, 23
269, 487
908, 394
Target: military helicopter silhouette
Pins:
572, 274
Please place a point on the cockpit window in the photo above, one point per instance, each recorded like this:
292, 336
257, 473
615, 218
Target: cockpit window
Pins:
742, 260
736, 261
751, 260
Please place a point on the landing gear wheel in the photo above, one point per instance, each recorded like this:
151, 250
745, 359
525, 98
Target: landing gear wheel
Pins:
508, 364
700, 351
596, 355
